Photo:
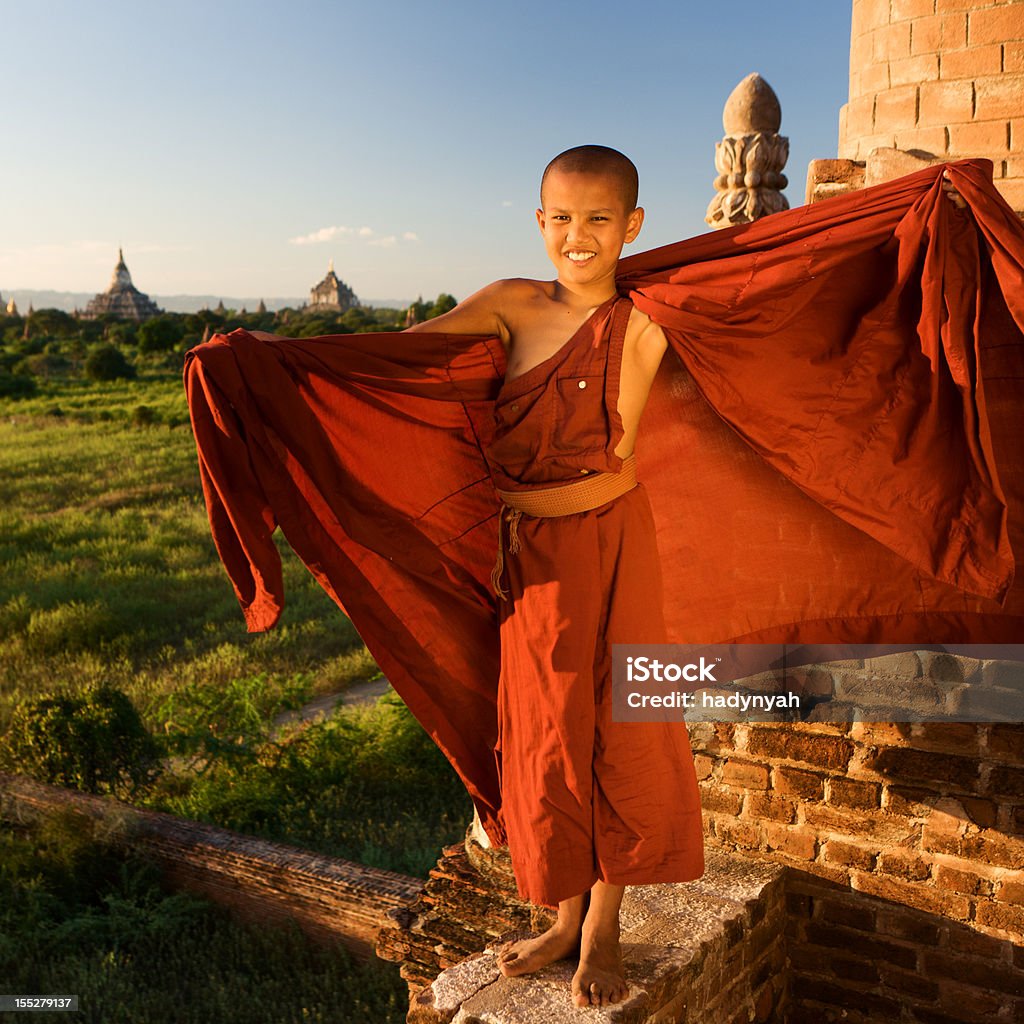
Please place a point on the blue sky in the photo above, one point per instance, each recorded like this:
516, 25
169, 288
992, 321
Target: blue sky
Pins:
234, 148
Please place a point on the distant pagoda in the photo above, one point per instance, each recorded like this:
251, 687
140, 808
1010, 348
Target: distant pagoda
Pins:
122, 299
332, 293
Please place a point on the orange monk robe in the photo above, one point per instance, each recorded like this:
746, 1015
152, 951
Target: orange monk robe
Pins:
832, 453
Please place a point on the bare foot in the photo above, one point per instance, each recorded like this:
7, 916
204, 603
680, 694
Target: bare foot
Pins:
527, 955
600, 978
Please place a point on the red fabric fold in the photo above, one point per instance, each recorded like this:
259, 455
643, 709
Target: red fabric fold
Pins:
831, 450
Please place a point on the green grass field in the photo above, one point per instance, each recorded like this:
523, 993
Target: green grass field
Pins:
111, 577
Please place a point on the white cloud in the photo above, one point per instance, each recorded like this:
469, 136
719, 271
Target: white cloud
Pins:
506, 202
367, 234
323, 235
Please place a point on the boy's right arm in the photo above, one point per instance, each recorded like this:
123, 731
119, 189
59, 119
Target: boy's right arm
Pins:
481, 313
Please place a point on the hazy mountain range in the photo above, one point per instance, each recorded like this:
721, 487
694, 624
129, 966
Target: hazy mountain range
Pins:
70, 301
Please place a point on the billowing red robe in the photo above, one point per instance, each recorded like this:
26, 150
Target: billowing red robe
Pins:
832, 452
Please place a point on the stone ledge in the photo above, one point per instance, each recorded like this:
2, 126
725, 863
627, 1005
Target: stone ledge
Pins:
711, 949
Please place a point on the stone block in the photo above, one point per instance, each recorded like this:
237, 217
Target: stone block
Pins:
784, 742
797, 782
1006, 741
870, 79
1012, 190
883, 165
930, 141
913, 894
748, 774
890, 42
961, 881
718, 801
999, 96
800, 843
837, 851
906, 764
895, 109
938, 33
902, 10
980, 972
843, 792
942, 6
860, 113
1006, 781
769, 806
995, 25
985, 60
1013, 57
945, 103
980, 138
922, 67
904, 864
992, 848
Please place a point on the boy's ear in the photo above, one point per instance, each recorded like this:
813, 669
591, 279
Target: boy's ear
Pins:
634, 223
540, 219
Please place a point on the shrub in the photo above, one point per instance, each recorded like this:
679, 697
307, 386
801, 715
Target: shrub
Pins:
95, 742
108, 363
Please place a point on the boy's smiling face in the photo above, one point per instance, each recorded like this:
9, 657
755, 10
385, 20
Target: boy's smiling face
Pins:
585, 223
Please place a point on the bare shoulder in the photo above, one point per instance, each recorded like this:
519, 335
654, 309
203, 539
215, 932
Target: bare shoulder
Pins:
644, 336
490, 310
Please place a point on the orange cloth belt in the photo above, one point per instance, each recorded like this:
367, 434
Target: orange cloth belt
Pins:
565, 500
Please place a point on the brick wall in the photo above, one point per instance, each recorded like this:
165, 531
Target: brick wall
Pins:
907, 843
942, 76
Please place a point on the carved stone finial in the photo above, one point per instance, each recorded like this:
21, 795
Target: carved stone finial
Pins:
750, 158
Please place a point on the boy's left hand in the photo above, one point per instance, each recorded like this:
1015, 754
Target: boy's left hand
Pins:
951, 193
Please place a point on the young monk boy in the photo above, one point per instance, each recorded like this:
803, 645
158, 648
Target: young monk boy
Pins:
590, 805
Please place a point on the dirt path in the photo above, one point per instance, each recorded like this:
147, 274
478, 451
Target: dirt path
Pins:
359, 693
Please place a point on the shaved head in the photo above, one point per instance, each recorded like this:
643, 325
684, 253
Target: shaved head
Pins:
598, 160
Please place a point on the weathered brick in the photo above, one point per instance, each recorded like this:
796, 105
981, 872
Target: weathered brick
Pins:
904, 864
986, 138
955, 5
838, 852
795, 842
945, 103
870, 79
738, 833
719, 801
961, 881
896, 109
853, 793
1004, 780
748, 774
961, 738
1013, 57
985, 60
853, 969
904, 923
959, 939
980, 972
770, 806
797, 782
928, 140
938, 33
1006, 740
920, 897
1006, 917
890, 42
869, 946
911, 70
851, 912
981, 1005
908, 983
838, 995
705, 766
903, 9
995, 25
832, 752
999, 96
712, 737
860, 114
1012, 191
904, 764
1011, 892
993, 848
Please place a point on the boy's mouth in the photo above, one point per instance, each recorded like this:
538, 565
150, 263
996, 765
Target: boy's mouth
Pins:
580, 255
